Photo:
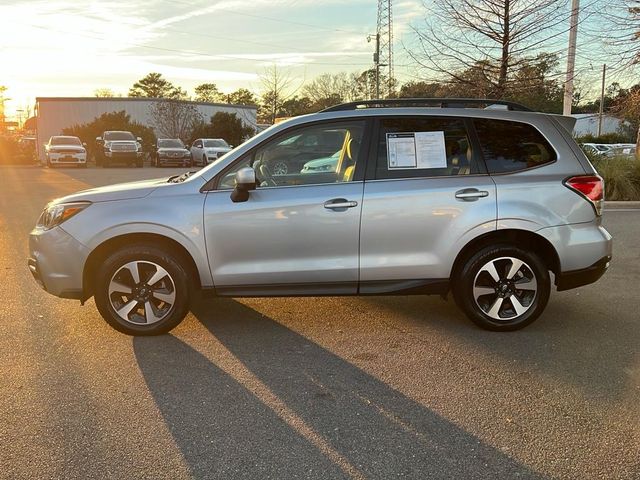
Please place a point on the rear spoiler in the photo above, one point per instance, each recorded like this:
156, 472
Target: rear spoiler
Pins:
567, 122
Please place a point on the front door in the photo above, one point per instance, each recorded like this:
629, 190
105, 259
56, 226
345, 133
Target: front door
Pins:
298, 233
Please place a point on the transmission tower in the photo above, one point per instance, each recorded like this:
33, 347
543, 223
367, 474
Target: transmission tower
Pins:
384, 36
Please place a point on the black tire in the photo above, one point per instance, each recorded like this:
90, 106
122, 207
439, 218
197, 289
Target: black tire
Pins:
146, 254
204, 160
49, 164
139, 163
105, 162
470, 276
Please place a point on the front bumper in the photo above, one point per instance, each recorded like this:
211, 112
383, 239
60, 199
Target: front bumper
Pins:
67, 158
174, 160
56, 261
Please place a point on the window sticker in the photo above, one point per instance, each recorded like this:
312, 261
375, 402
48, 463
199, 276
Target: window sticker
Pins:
416, 150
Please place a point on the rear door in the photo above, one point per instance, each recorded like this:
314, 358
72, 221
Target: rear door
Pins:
426, 195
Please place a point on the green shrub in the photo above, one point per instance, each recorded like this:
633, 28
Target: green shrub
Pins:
616, 137
621, 177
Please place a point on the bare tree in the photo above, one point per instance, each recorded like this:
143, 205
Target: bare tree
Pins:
493, 39
174, 118
620, 32
276, 87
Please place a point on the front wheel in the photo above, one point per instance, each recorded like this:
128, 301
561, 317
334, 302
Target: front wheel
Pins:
142, 290
502, 288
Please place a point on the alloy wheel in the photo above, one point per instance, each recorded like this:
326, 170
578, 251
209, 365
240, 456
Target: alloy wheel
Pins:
142, 292
505, 288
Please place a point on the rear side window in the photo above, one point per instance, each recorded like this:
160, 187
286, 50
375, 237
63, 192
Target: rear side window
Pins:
512, 146
410, 147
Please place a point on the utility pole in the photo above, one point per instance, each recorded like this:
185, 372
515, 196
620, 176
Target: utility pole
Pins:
604, 73
571, 57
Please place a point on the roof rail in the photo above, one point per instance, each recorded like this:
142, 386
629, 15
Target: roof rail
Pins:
426, 102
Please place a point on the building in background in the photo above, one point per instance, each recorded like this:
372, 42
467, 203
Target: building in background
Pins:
56, 113
587, 123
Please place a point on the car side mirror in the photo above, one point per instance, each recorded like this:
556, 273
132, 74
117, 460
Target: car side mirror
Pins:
99, 140
84, 144
139, 139
245, 182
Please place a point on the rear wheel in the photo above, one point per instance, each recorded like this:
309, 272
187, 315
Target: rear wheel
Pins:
142, 290
502, 288
204, 160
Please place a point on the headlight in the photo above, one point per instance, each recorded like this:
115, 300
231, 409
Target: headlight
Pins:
54, 215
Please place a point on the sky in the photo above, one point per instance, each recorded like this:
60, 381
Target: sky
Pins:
73, 47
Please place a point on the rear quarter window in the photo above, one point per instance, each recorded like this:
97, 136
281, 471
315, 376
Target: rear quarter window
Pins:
512, 146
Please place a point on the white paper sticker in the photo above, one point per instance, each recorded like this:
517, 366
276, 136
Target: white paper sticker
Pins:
430, 150
416, 150
401, 150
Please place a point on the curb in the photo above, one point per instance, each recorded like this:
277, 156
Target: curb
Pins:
621, 204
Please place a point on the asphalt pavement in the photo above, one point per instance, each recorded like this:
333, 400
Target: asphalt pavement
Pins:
384, 387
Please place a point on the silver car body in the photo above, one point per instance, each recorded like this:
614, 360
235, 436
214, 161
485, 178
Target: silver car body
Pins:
403, 232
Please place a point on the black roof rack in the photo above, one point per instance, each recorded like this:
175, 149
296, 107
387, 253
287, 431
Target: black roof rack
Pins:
426, 102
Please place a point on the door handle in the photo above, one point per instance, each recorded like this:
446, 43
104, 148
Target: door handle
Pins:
338, 203
471, 194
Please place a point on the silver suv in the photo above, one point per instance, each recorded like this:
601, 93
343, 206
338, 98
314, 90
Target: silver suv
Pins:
420, 197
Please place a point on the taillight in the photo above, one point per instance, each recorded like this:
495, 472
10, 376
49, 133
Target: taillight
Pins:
589, 186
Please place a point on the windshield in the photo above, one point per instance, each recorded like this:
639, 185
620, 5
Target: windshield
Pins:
65, 141
216, 142
170, 143
119, 136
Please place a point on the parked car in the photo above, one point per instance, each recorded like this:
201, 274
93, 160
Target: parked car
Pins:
596, 149
115, 147
27, 145
322, 165
171, 151
622, 150
65, 150
407, 210
207, 150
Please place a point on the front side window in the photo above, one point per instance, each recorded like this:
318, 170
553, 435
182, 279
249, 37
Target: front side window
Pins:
512, 146
317, 154
411, 147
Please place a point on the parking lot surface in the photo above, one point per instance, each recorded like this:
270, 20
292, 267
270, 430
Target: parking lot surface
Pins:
384, 387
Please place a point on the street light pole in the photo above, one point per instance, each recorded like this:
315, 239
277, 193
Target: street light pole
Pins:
571, 58
604, 73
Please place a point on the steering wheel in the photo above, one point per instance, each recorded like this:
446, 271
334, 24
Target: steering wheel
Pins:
266, 175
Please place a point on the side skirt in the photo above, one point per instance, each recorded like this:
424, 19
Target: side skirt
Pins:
386, 287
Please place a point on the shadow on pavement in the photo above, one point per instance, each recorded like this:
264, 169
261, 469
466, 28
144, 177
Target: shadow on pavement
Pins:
222, 430
220, 427
577, 340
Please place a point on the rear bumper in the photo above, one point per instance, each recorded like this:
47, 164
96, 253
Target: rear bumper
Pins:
56, 261
584, 276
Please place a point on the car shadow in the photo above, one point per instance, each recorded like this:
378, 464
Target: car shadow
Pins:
220, 427
225, 430
578, 339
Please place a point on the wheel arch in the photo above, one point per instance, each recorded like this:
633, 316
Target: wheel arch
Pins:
519, 238
104, 249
